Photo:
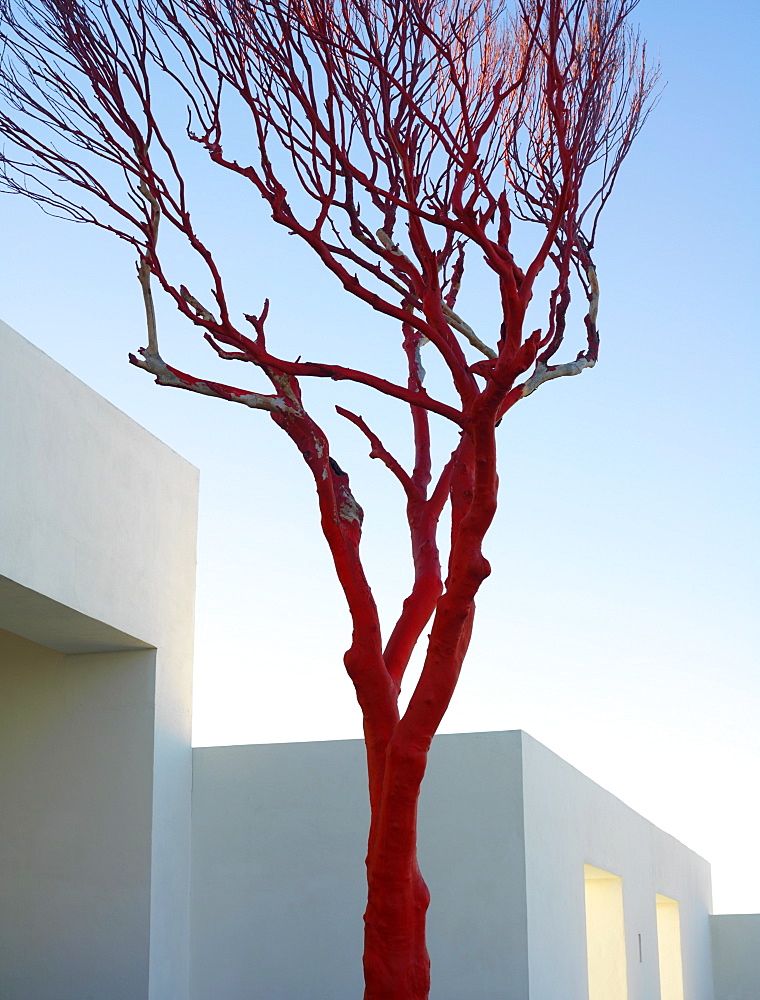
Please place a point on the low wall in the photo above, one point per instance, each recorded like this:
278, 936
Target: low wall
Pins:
571, 821
278, 890
736, 955
507, 831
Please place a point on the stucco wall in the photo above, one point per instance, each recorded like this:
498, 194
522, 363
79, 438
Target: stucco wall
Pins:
97, 555
76, 746
570, 821
736, 955
95, 512
279, 835
506, 828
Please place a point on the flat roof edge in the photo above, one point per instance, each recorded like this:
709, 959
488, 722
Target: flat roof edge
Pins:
49, 623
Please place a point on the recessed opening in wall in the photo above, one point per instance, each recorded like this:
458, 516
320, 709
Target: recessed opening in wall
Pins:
605, 935
669, 948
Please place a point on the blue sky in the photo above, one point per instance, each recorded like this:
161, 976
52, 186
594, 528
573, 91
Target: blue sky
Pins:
620, 624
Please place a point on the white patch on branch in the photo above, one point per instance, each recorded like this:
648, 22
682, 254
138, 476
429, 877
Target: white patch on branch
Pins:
388, 243
544, 374
349, 510
593, 299
143, 276
155, 364
200, 310
457, 323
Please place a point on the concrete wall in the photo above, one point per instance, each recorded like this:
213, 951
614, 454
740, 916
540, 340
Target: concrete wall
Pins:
76, 746
570, 821
279, 835
95, 512
506, 828
472, 853
736, 956
97, 566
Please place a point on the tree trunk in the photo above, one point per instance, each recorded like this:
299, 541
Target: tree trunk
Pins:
396, 962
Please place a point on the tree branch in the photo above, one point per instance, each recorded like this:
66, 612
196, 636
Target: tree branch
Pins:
166, 375
378, 450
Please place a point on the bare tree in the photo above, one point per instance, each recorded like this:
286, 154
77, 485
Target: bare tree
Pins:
414, 133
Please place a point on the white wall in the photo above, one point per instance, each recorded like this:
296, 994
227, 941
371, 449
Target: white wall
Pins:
279, 838
472, 851
76, 753
278, 852
95, 512
569, 821
97, 553
736, 955
505, 830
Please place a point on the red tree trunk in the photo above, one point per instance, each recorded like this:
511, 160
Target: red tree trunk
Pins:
396, 962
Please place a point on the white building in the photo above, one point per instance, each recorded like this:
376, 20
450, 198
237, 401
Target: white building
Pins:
544, 886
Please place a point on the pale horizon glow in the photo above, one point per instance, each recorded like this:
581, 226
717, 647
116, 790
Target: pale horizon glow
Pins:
619, 627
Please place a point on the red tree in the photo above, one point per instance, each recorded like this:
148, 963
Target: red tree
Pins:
413, 132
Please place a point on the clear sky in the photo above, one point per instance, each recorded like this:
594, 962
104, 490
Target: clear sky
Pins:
620, 625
